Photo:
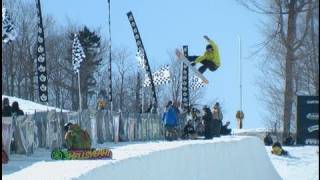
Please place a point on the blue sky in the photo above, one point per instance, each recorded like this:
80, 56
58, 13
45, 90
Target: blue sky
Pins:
167, 24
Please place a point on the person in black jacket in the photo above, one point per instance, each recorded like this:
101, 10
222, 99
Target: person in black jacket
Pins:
268, 140
189, 131
289, 141
6, 108
208, 123
16, 110
225, 130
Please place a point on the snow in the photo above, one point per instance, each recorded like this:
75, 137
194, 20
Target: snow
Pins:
30, 107
257, 130
303, 162
230, 157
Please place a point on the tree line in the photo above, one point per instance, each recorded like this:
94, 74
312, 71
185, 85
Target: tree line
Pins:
19, 75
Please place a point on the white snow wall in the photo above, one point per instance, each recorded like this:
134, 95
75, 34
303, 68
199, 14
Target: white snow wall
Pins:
202, 160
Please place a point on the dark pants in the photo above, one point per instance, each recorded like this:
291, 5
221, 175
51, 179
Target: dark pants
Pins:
206, 64
216, 128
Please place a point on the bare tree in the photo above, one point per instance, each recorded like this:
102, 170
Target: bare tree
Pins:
288, 35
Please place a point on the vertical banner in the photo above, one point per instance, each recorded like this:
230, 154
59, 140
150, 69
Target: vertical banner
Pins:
308, 120
185, 82
8, 30
41, 59
143, 52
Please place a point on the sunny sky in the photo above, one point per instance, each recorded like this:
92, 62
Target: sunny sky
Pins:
167, 24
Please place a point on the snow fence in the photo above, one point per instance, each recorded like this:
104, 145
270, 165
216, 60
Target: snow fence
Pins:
45, 129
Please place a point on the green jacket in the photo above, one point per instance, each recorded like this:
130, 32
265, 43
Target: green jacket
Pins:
76, 138
211, 56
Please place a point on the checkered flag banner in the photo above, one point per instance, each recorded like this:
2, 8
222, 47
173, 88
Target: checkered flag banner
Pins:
8, 29
77, 54
140, 59
162, 76
196, 83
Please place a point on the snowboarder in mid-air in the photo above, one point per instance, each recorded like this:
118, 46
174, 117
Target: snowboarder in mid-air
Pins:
209, 60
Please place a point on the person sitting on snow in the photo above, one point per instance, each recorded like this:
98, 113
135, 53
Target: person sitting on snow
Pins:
76, 138
289, 141
277, 149
225, 130
189, 131
6, 108
16, 109
268, 140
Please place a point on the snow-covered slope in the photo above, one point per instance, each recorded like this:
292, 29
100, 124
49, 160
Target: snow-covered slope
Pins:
30, 107
302, 163
224, 158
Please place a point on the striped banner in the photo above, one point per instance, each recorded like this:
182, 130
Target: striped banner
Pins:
185, 82
41, 59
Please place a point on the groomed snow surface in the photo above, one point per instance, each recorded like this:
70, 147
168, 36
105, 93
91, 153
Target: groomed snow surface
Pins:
228, 157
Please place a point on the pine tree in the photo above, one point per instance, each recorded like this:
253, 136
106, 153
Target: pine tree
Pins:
90, 42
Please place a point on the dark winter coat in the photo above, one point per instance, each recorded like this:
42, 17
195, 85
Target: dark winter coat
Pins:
268, 140
6, 108
225, 130
16, 110
289, 141
170, 116
208, 124
6, 111
217, 120
189, 129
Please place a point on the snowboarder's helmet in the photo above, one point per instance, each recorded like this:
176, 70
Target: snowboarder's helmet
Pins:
66, 126
209, 46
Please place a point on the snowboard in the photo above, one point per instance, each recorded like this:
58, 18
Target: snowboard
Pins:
182, 58
59, 154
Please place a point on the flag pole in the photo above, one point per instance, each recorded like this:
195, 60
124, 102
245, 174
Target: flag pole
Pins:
80, 99
109, 68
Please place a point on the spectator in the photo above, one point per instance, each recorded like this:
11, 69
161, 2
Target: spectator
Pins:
208, 123
225, 130
217, 120
16, 109
289, 141
5, 158
169, 119
6, 108
176, 107
189, 131
268, 140
240, 116
101, 104
277, 149
76, 138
